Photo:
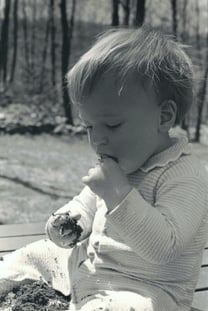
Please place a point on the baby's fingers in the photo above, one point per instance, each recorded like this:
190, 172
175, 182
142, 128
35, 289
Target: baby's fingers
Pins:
68, 241
86, 180
58, 220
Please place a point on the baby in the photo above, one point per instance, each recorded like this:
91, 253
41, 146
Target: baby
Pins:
139, 226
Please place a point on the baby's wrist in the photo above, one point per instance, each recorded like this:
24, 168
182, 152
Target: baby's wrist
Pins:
117, 197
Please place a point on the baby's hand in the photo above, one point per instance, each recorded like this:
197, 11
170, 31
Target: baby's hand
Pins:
63, 229
108, 181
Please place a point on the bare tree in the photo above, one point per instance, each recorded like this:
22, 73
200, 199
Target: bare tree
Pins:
126, 7
115, 13
140, 13
44, 53
25, 33
184, 38
201, 95
174, 18
53, 46
4, 41
184, 34
67, 32
33, 36
15, 17
198, 45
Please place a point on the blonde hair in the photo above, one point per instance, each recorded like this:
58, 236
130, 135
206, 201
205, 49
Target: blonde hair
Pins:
150, 54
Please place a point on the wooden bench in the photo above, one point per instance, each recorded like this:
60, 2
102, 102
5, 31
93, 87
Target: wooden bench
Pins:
18, 235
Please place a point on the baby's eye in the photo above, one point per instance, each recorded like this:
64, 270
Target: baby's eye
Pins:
114, 126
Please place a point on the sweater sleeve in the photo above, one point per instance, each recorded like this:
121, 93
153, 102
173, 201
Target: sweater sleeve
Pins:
83, 204
160, 233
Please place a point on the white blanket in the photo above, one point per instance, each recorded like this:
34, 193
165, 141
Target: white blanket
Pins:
41, 260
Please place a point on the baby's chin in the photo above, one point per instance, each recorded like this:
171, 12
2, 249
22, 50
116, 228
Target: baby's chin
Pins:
128, 167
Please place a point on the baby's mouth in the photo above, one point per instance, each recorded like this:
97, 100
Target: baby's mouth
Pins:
104, 156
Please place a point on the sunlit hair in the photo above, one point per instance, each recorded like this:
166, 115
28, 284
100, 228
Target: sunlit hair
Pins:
153, 56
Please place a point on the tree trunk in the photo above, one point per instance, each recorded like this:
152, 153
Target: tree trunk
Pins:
15, 16
67, 32
174, 18
140, 13
184, 38
198, 45
33, 37
44, 55
53, 46
4, 42
201, 96
25, 33
184, 124
115, 13
201, 100
184, 33
126, 7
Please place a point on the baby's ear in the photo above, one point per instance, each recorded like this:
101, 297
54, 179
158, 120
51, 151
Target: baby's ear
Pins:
168, 111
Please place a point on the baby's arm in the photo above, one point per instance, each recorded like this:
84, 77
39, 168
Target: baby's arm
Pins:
72, 222
160, 233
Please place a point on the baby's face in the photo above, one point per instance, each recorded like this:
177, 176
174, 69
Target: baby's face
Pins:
122, 124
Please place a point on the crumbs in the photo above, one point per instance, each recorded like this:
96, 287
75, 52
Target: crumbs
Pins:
36, 295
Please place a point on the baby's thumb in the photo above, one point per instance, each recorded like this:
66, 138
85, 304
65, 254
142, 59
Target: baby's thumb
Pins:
86, 180
75, 215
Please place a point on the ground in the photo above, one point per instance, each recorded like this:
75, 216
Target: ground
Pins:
38, 174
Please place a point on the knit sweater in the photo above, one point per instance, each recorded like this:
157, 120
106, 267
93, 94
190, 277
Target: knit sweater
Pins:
152, 242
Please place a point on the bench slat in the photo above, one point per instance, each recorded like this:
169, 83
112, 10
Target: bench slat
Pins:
22, 229
4, 253
205, 258
203, 279
200, 300
10, 244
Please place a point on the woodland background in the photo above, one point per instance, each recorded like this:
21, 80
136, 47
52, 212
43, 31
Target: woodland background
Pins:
41, 39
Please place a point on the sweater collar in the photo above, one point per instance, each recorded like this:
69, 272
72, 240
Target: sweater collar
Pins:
179, 147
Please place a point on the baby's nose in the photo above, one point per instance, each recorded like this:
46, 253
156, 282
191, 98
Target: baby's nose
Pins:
100, 141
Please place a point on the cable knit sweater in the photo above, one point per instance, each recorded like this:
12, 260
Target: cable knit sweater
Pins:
152, 242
